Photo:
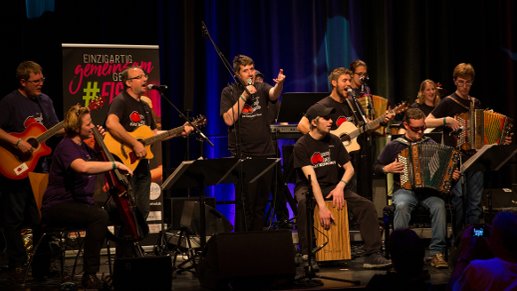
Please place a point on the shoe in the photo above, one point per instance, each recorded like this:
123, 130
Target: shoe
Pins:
439, 262
90, 281
376, 261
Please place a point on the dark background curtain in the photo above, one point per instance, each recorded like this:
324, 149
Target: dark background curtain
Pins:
403, 43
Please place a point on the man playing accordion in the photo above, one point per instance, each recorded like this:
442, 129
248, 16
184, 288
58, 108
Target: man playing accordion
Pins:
467, 208
405, 200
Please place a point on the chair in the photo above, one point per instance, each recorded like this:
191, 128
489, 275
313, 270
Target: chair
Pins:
39, 182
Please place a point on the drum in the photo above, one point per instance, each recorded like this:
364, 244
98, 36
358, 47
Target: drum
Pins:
336, 239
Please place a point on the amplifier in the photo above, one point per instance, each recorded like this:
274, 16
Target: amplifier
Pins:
500, 199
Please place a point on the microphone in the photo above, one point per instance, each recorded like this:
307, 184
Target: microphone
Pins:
350, 92
157, 87
456, 132
364, 78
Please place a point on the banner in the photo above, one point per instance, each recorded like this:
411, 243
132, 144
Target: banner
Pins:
91, 73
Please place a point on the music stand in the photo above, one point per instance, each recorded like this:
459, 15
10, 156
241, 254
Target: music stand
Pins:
201, 173
492, 157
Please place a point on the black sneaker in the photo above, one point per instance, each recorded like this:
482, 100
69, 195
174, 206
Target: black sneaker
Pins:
376, 261
90, 281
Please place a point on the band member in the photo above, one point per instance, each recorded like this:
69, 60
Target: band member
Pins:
246, 115
18, 110
428, 97
68, 200
345, 110
324, 170
467, 207
126, 113
406, 200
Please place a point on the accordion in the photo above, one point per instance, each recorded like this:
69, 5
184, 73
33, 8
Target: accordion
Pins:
374, 106
428, 165
482, 127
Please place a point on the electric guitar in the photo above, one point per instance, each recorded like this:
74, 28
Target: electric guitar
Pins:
17, 165
348, 132
146, 136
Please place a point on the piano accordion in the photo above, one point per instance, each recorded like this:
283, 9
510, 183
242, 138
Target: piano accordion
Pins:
481, 127
428, 165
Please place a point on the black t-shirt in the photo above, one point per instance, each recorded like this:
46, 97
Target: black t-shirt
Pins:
131, 112
424, 107
453, 105
252, 127
327, 156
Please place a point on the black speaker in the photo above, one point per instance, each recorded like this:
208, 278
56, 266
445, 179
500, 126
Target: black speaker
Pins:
143, 273
258, 258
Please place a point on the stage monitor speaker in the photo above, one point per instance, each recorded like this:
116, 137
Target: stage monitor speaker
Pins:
500, 199
143, 273
248, 259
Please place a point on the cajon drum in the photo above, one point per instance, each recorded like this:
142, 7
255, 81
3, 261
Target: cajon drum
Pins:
338, 236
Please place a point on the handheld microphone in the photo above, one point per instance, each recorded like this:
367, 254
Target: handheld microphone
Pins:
456, 132
157, 87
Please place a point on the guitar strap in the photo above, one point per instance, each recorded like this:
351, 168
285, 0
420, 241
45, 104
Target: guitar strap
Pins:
472, 100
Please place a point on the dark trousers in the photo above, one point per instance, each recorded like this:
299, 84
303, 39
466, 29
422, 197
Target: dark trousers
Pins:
79, 215
18, 210
251, 202
361, 208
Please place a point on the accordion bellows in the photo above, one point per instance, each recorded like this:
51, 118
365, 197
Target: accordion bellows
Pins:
428, 165
483, 127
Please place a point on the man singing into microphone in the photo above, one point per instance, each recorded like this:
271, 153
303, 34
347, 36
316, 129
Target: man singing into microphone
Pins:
243, 108
126, 113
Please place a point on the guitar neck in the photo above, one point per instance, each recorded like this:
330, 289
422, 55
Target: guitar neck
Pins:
50, 132
164, 135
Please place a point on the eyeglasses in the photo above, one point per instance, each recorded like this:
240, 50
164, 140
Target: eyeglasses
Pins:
417, 129
139, 77
36, 82
361, 74
464, 83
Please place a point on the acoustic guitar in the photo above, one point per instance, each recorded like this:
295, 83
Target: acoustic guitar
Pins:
348, 132
146, 136
17, 165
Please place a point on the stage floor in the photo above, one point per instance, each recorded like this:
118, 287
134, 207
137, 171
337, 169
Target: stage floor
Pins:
337, 276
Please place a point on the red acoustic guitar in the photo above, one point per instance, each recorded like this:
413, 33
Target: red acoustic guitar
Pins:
16, 165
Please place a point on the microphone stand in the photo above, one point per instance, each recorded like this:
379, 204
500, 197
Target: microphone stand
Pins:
241, 83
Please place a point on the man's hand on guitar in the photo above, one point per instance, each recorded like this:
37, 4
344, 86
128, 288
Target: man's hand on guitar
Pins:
187, 129
139, 150
24, 146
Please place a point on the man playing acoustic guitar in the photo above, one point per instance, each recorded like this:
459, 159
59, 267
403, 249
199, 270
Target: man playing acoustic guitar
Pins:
126, 113
22, 112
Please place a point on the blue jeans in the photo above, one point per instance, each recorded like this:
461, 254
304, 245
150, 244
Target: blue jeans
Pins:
405, 201
467, 207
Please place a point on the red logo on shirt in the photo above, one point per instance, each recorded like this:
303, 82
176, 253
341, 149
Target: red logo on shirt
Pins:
316, 158
340, 120
135, 116
247, 109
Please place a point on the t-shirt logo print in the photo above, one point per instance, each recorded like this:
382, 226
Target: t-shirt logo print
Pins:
316, 158
340, 120
136, 118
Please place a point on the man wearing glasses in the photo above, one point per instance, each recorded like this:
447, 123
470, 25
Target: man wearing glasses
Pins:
19, 110
127, 112
406, 200
467, 207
